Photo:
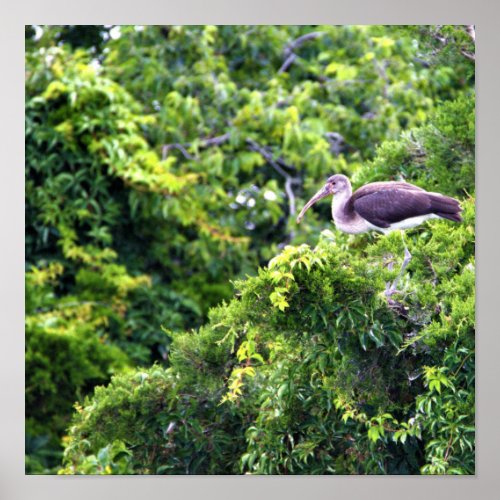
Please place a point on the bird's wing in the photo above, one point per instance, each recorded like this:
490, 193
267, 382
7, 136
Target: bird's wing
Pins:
378, 186
383, 205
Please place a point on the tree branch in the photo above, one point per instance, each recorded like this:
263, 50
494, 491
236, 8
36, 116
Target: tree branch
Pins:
167, 147
288, 52
288, 62
471, 31
336, 141
204, 143
468, 55
295, 44
289, 180
291, 196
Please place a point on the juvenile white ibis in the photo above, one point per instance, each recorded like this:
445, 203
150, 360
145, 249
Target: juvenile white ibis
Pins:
383, 206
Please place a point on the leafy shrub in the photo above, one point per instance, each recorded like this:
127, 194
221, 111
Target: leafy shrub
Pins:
317, 370
439, 156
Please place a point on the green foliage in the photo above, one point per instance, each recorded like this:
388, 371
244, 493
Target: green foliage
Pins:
166, 165
439, 156
161, 435
112, 459
327, 384
67, 354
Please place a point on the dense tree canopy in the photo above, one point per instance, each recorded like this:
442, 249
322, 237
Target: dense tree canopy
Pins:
178, 320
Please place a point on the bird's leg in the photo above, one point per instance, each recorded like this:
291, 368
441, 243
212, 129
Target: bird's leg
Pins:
393, 287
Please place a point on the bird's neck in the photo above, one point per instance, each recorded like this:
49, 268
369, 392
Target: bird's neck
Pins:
339, 203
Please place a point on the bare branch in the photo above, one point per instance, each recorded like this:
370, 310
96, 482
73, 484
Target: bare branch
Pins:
468, 55
423, 62
471, 31
204, 143
289, 180
215, 141
269, 158
336, 141
381, 69
291, 197
167, 147
438, 36
288, 62
304, 38
288, 51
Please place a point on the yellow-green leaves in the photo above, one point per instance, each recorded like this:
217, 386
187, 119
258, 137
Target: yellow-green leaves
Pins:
383, 41
278, 298
436, 378
375, 432
54, 90
281, 270
341, 71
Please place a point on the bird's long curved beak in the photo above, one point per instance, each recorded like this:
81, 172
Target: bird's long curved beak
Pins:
324, 191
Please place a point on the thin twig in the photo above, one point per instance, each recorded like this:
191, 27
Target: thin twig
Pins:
448, 448
462, 364
276, 164
380, 67
434, 274
423, 62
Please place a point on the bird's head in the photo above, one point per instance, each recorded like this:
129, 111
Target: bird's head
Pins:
335, 184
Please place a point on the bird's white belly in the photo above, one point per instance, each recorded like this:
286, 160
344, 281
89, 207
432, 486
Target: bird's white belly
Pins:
406, 223
359, 225
412, 222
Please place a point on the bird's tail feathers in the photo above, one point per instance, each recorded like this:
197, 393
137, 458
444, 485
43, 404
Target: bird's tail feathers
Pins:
446, 207
453, 217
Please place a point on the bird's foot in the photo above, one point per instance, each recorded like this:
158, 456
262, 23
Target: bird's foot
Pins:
394, 303
390, 289
407, 258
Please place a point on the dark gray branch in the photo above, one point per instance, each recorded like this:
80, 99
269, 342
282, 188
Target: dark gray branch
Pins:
267, 155
288, 62
215, 141
204, 143
291, 197
336, 141
167, 147
471, 31
289, 180
468, 55
295, 44
288, 52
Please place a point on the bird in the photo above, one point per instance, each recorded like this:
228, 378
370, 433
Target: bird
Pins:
383, 207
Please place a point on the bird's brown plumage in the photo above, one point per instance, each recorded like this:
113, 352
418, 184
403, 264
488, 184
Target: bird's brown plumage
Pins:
385, 203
